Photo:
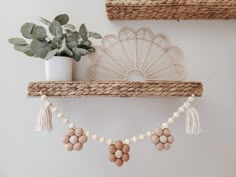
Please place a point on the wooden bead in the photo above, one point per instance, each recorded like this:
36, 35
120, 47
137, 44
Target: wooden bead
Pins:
69, 147
112, 149
112, 157
126, 148
83, 139
70, 132
171, 139
166, 132
155, 139
125, 157
78, 146
158, 131
163, 139
65, 139
167, 146
73, 139
119, 145
159, 146
119, 162
118, 154
79, 132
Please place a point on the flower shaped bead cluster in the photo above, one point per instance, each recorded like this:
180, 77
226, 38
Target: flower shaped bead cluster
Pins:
119, 153
74, 139
162, 139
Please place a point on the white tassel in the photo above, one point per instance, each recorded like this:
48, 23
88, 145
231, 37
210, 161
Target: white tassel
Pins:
192, 121
44, 122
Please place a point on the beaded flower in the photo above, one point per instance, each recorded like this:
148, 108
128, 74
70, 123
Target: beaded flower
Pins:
119, 153
74, 139
162, 139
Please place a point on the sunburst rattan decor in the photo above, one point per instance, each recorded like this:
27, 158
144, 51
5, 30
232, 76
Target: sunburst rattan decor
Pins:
170, 9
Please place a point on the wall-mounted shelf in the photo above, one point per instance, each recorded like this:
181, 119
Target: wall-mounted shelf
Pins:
170, 9
115, 89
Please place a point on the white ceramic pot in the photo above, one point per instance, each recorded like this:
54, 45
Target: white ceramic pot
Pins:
59, 69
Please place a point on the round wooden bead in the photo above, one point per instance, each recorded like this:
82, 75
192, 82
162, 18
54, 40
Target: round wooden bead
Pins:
167, 146
158, 131
70, 132
66, 121
73, 139
71, 125
87, 133
165, 125
109, 141
69, 147
79, 132
159, 146
112, 157
126, 148
118, 154
119, 162
112, 149
83, 139
171, 139
166, 132
125, 157
65, 139
127, 141
155, 139
163, 139
119, 145
78, 146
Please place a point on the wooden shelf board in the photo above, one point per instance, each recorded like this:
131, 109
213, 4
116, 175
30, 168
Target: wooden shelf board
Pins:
155, 89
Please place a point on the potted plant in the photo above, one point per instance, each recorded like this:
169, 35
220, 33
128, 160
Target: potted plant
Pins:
58, 48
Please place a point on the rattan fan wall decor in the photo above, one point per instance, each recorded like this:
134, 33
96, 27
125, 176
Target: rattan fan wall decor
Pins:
133, 53
170, 9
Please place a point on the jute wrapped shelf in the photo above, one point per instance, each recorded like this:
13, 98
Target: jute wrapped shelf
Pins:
170, 9
116, 89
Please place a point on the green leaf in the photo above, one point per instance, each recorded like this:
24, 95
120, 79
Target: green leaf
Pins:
95, 35
29, 53
22, 48
39, 33
68, 52
77, 57
45, 21
27, 30
79, 51
17, 41
55, 28
51, 53
89, 48
62, 19
69, 27
83, 32
40, 48
88, 43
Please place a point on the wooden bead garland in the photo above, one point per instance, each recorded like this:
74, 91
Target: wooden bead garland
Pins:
119, 153
162, 139
74, 139
119, 150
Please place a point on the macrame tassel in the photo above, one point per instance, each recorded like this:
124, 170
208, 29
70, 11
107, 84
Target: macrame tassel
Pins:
192, 121
44, 122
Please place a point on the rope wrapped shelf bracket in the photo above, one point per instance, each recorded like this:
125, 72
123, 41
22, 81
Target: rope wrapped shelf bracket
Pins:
166, 9
154, 89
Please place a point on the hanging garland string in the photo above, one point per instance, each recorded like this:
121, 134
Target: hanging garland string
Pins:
118, 150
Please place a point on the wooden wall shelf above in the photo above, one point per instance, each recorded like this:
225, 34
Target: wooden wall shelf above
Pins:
170, 9
115, 89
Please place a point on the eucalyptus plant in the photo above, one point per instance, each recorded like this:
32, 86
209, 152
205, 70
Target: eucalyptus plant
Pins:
63, 39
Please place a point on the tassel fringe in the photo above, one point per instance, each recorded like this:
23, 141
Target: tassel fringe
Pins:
192, 121
44, 122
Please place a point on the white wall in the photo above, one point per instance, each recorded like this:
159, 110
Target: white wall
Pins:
210, 52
